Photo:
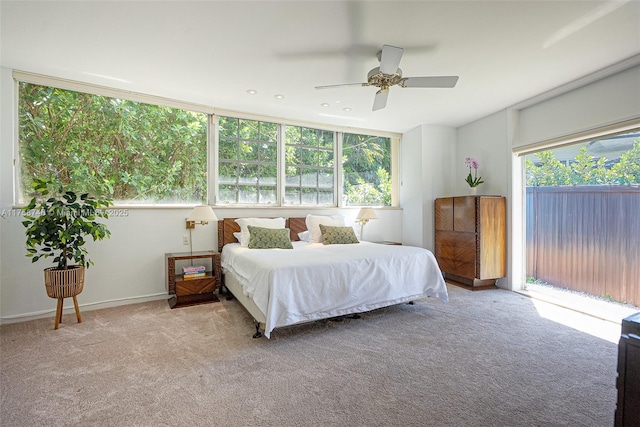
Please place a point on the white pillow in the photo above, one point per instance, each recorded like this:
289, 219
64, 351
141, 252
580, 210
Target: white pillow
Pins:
304, 236
313, 225
256, 222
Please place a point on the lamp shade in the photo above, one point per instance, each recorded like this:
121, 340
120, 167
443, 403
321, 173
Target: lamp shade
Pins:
202, 214
367, 213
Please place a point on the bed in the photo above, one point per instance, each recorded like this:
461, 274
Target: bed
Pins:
313, 281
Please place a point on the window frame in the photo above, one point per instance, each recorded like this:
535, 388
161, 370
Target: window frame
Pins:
318, 168
238, 161
517, 276
281, 165
96, 90
213, 141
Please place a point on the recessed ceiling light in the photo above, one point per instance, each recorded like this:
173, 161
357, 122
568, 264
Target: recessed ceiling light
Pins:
338, 101
278, 96
324, 104
346, 109
252, 91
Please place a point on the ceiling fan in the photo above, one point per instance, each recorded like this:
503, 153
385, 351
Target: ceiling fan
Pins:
388, 74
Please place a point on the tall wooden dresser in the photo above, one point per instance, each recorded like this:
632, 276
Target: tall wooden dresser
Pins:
471, 244
628, 383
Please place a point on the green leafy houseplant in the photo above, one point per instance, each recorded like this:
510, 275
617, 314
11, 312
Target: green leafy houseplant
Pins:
57, 226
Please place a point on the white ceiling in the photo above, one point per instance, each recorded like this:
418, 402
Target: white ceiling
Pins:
212, 52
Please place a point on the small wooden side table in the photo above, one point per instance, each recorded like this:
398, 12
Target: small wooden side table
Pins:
201, 290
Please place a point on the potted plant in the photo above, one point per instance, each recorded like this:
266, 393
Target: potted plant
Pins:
57, 227
473, 180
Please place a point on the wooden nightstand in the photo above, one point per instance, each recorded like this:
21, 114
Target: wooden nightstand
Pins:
192, 291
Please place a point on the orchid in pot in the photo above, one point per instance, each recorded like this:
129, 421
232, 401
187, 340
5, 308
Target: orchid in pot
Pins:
473, 180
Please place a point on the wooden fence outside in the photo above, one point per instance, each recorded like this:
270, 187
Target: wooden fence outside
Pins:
586, 238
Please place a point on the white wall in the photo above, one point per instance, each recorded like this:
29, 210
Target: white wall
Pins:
427, 172
6, 129
410, 187
487, 141
438, 157
129, 267
613, 98
2, 156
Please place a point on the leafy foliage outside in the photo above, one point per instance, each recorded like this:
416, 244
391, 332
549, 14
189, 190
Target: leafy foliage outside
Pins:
137, 153
247, 165
129, 151
584, 170
366, 163
309, 166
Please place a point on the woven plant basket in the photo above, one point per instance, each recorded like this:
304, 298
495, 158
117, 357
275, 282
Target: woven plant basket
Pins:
64, 283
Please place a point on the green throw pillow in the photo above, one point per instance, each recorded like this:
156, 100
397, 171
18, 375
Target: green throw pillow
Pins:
269, 238
337, 235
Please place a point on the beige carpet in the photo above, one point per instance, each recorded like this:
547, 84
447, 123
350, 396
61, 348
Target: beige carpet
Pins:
487, 358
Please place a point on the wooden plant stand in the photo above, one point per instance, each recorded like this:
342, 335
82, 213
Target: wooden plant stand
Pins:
59, 311
61, 284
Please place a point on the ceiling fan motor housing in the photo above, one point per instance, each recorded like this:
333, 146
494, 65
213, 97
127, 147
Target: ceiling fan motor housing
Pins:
379, 79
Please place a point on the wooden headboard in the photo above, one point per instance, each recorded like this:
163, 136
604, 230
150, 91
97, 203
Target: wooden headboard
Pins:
228, 226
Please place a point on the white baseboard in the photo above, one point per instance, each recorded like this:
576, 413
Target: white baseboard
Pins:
88, 307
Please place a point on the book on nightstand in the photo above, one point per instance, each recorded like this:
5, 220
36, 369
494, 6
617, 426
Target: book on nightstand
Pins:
194, 275
193, 269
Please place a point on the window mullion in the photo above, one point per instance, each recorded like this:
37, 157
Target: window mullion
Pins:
281, 171
212, 155
337, 169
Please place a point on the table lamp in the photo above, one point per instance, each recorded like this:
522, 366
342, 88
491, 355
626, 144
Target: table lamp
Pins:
199, 214
363, 217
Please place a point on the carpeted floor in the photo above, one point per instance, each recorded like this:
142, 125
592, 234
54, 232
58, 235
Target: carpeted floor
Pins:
486, 358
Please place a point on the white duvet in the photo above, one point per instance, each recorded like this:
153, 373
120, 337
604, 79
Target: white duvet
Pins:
315, 281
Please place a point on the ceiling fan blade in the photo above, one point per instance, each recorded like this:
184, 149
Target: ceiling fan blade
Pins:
390, 59
432, 81
342, 85
380, 100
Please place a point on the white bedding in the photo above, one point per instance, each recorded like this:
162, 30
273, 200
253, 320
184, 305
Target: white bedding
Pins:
315, 281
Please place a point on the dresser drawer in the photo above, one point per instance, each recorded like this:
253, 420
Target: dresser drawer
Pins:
195, 286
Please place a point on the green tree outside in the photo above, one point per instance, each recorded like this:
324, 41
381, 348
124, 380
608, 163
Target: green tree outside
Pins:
137, 153
584, 169
366, 162
129, 151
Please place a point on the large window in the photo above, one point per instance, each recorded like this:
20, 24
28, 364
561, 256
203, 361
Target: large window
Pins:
129, 151
309, 166
247, 165
138, 149
582, 221
366, 164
